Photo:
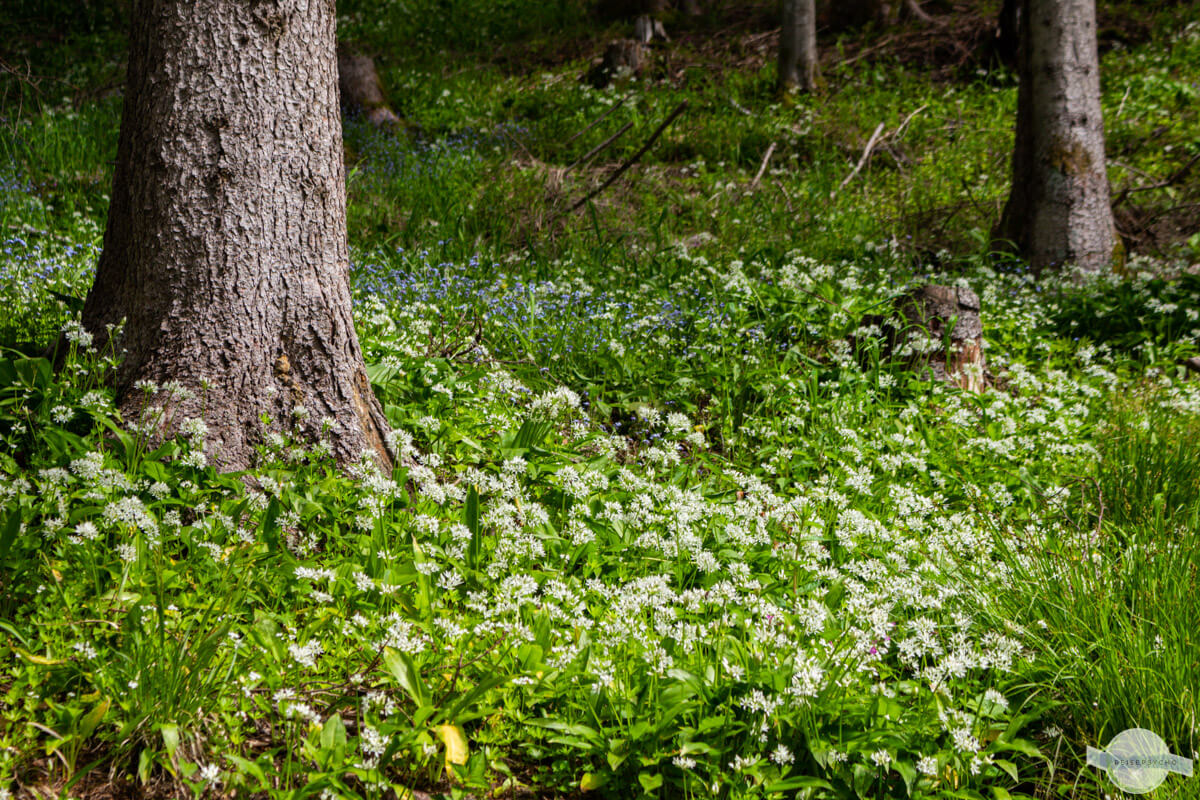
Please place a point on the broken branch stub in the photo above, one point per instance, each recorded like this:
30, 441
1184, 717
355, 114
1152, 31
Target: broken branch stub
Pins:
360, 90
937, 331
949, 317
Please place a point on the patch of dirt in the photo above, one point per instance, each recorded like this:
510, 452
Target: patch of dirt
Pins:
1155, 230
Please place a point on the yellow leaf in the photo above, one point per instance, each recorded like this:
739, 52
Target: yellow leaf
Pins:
590, 782
39, 660
456, 744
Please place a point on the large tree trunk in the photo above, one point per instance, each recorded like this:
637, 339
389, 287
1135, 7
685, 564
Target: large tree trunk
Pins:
225, 250
798, 45
1058, 211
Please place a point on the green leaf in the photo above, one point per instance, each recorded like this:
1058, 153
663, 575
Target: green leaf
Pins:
530, 434
93, 718
1009, 768
270, 528
908, 772
407, 675
650, 782
1019, 745
572, 728
170, 735
333, 733
246, 767
798, 782
333, 743
471, 514
458, 711
8, 535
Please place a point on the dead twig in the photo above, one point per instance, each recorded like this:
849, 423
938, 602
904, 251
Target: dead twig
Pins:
861, 53
874, 140
762, 167
596, 121
915, 9
1170, 180
589, 155
786, 197
679, 109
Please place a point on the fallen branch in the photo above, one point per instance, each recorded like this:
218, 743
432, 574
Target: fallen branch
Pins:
904, 124
861, 53
596, 121
1170, 180
915, 9
876, 137
762, 167
589, 155
874, 140
632, 159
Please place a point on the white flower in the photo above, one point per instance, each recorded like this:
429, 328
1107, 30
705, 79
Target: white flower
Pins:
781, 755
881, 758
307, 653
927, 765
210, 773
964, 740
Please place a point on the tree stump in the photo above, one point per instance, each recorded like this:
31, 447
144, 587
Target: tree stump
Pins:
946, 313
622, 57
358, 85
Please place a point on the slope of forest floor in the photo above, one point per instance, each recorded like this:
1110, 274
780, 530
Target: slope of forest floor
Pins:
677, 519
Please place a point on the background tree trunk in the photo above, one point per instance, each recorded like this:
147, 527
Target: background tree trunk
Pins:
226, 248
1058, 210
798, 45
1008, 32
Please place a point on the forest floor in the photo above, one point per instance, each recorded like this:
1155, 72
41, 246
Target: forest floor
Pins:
678, 518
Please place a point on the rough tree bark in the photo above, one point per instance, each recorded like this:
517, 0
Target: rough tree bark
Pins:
226, 250
798, 45
1058, 210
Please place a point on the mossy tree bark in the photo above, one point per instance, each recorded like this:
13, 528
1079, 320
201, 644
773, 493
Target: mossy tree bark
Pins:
1058, 210
225, 251
797, 45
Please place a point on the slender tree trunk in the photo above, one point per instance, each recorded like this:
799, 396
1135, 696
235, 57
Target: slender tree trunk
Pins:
225, 251
798, 45
1058, 211
1008, 35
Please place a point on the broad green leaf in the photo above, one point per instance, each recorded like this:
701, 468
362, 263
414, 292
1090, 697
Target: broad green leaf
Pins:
401, 666
170, 735
93, 718
8, 534
471, 513
650, 781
